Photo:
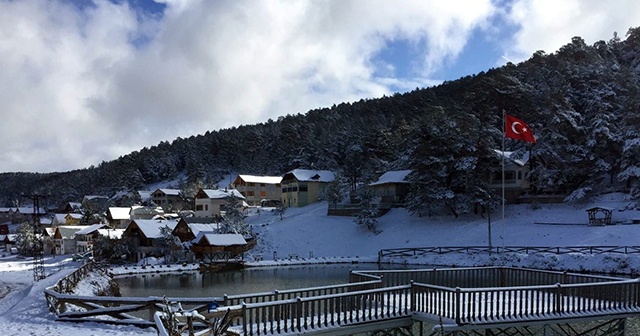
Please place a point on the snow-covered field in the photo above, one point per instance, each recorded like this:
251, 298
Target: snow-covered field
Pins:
308, 232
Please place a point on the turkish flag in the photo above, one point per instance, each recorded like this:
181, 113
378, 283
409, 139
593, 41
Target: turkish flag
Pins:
517, 129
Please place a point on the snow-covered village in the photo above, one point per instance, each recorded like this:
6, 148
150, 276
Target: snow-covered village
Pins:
244, 167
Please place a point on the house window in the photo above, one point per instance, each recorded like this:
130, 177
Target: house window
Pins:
206, 207
519, 174
303, 187
251, 193
251, 184
284, 189
262, 184
277, 185
263, 194
198, 207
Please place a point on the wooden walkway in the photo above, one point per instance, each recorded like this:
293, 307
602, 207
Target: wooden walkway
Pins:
376, 300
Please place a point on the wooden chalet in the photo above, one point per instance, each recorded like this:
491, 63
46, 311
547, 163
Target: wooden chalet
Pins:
392, 187
188, 228
211, 246
143, 235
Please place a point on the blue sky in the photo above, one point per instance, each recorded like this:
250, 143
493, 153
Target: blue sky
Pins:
86, 81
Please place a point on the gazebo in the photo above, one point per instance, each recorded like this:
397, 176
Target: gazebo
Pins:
599, 216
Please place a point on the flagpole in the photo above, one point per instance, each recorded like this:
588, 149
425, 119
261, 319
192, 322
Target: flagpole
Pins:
504, 122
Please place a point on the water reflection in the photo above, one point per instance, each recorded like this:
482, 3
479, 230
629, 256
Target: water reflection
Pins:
251, 280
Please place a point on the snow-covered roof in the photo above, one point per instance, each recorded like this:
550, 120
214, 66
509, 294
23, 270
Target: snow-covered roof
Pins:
222, 193
120, 212
196, 228
144, 210
261, 179
169, 192
90, 229
394, 176
216, 239
307, 175
520, 160
69, 231
60, 218
151, 227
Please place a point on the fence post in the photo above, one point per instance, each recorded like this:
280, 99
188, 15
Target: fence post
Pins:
414, 297
458, 307
245, 325
558, 300
299, 313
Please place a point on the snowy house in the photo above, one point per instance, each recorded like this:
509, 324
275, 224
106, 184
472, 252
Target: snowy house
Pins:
64, 239
188, 228
516, 175
168, 199
214, 246
209, 202
302, 187
144, 235
392, 187
256, 189
72, 218
119, 217
86, 235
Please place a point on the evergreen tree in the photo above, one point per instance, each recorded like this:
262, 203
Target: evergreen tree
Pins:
233, 218
26, 239
368, 215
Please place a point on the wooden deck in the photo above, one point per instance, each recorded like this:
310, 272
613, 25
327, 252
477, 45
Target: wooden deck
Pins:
374, 300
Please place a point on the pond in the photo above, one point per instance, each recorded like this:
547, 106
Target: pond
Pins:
249, 280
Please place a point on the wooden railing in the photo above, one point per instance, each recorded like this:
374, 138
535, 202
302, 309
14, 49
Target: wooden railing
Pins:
279, 295
493, 305
475, 277
303, 315
460, 295
420, 251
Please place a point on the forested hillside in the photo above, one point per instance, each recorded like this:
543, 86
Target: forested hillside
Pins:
581, 103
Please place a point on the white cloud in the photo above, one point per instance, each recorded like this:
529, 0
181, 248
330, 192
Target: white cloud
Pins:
80, 86
548, 25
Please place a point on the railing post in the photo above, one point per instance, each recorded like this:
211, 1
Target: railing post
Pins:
298, 313
637, 290
558, 300
458, 308
414, 297
245, 325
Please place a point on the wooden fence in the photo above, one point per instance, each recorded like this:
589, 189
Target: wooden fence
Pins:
421, 251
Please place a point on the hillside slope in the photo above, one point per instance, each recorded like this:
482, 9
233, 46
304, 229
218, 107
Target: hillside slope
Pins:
308, 231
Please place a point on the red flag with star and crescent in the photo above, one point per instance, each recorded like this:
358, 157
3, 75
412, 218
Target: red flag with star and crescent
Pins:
517, 129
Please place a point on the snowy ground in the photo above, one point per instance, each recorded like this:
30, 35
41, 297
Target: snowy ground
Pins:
308, 232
